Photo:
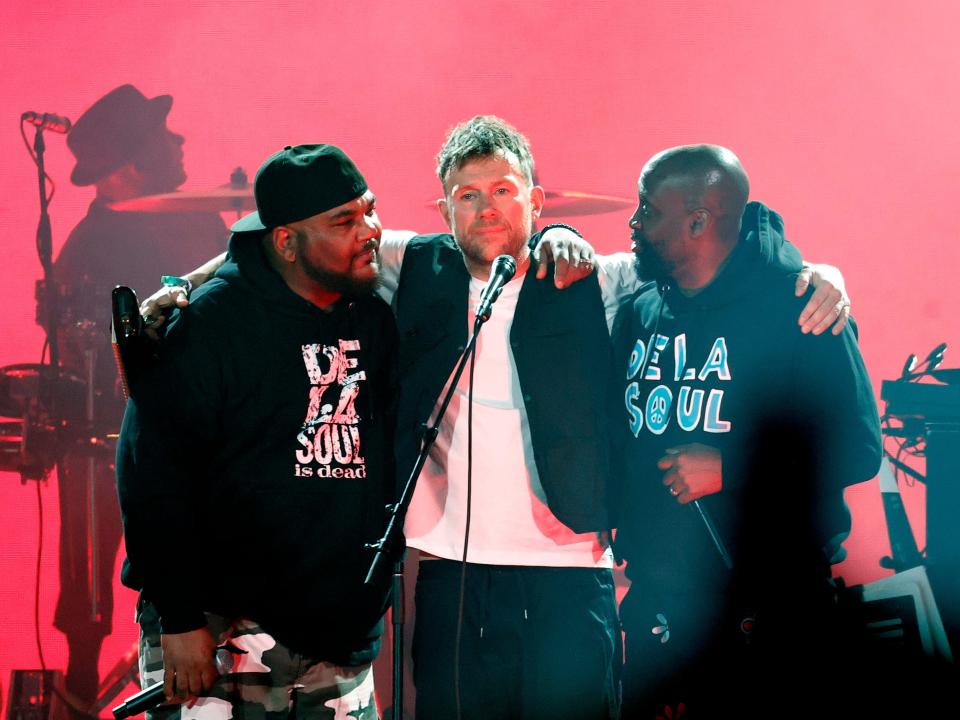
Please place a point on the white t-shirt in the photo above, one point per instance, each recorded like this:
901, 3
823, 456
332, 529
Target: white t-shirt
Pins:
510, 523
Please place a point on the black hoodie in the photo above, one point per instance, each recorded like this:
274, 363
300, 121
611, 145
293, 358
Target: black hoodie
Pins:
255, 462
792, 414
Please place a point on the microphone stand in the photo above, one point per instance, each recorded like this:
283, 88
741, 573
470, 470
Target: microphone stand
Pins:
45, 251
388, 545
38, 414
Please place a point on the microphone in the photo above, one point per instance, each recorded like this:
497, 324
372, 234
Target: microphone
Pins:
936, 356
153, 695
503, 269
126, 335
48, 121
908, 366
714, 535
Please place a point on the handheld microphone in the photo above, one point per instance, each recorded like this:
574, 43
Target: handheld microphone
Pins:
502, 271
153, 695
714, 534
48, 121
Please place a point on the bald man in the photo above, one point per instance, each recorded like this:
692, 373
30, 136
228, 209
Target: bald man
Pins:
738, 420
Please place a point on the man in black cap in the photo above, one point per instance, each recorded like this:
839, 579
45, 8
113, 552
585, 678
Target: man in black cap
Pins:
280, 375
124, 150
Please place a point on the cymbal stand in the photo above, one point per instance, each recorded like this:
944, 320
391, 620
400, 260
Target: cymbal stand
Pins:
93, 560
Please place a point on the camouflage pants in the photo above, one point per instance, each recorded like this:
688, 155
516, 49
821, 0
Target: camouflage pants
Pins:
267, 680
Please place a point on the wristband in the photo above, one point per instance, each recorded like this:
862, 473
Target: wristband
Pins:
535, 239
564, 226
174, 281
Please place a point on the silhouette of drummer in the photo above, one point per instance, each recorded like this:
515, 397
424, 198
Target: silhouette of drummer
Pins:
124, 150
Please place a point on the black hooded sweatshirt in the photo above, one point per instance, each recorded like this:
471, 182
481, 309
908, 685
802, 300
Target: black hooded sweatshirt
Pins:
793, 416
255, 462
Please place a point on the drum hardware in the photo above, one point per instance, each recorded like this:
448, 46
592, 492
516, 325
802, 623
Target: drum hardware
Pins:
237, 196
51, 413
39, 449
56, 394
86, 293
13, 456
234, 196
93, 514
572, 203
32, 445
57, 416
923, 417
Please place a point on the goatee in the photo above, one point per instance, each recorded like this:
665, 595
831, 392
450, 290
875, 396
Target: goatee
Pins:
648, 264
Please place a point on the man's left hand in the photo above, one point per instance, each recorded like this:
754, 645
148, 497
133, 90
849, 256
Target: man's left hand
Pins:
571, 255
829, 304
155, 309
692, 471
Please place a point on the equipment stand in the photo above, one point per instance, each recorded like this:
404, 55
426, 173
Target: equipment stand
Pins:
390, 546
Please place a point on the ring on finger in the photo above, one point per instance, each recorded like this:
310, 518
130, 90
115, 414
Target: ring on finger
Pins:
674, 491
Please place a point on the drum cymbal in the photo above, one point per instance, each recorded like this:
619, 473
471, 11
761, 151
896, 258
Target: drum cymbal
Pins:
226, 198
571, 203
568, 203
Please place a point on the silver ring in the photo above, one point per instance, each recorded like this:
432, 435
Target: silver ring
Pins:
674, 491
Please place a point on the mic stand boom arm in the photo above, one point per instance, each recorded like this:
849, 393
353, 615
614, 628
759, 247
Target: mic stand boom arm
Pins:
388, 545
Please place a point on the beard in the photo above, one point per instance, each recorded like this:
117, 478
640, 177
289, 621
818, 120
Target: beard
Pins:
482, 251
344, 284
647, 263
161, 166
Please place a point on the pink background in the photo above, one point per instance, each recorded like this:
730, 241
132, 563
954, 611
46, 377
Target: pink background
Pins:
844, 114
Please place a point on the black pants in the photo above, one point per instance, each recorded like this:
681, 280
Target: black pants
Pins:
536, 643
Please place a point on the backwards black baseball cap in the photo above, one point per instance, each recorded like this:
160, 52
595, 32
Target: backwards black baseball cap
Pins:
299, 182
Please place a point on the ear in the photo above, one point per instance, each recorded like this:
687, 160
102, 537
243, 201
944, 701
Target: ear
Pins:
537, 198
699, 221
284, 243
444, 208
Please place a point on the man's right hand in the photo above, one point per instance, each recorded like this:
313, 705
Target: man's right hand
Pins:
188, 664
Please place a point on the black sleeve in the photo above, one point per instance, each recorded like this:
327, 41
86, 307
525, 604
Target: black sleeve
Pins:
839, 399
163, 467
818, 434
622, 337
